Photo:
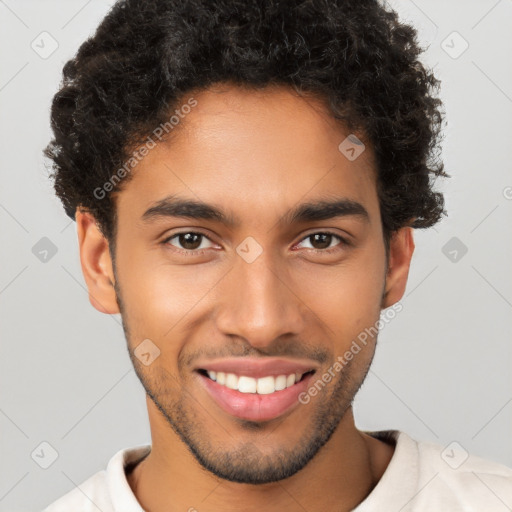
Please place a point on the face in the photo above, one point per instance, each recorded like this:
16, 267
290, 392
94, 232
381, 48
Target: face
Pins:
252, 276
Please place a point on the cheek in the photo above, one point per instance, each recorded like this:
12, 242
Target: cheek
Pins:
346, 297
159, 299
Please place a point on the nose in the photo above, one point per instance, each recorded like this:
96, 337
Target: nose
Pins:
259, 302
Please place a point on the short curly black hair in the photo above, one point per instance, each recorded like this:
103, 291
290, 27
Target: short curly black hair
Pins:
146, 55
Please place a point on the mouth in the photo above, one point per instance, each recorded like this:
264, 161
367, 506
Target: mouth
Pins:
265, 385
261, 398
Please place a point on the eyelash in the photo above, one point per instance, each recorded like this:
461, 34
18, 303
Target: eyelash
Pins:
195, 252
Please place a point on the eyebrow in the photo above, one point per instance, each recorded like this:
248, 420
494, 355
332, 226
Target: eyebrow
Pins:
173, 206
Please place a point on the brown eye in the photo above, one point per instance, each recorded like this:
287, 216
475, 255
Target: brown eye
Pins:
188, 241
323, 241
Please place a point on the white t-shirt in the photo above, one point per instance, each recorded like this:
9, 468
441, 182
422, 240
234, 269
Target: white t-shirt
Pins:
420, 477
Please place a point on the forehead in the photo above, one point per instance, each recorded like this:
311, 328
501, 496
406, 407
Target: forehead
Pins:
253, 150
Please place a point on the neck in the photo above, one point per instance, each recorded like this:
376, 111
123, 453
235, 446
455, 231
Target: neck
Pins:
339, 477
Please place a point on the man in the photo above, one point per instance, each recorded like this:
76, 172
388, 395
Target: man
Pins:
245, 178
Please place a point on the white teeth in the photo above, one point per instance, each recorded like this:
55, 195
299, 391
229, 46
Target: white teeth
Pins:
280, 382
262, 386
247, 384
231, 381
266, 385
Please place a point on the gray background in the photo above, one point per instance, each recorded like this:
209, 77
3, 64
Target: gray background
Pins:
442, 367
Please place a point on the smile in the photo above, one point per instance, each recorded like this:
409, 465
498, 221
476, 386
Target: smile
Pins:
262, 386
255, 399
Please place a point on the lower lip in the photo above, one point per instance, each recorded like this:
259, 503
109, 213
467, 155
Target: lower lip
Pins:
252, 406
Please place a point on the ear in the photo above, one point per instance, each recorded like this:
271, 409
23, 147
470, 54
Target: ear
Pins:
96, 264
401, 248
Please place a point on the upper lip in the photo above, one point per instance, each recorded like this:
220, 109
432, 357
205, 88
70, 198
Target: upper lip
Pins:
258, 367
